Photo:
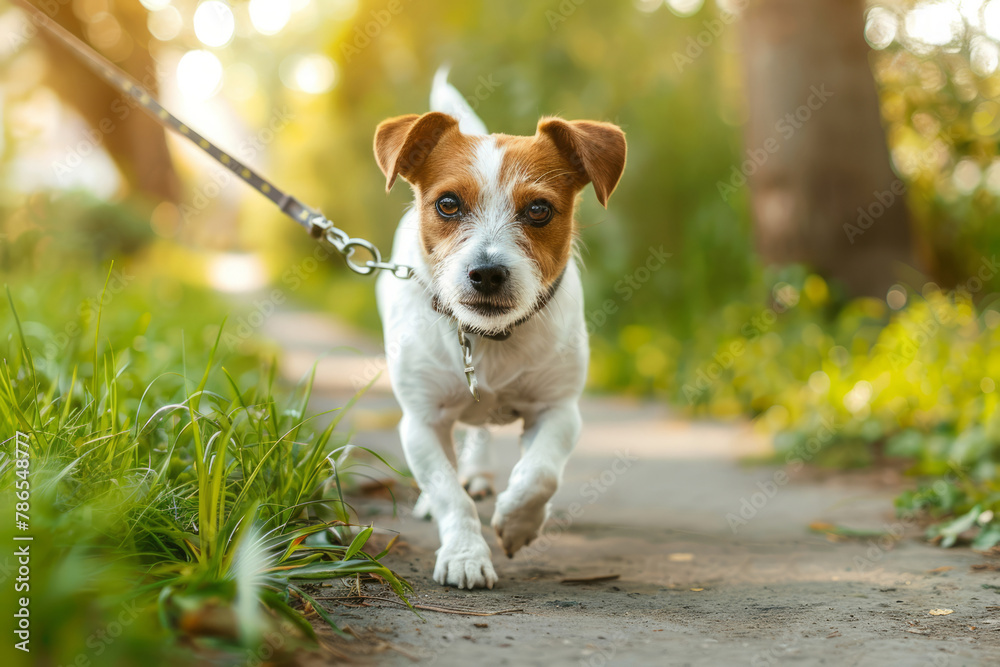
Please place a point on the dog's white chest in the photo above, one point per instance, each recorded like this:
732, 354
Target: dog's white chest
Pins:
511, 385
543, 362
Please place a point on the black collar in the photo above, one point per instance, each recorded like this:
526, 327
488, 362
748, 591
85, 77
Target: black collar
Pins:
504, 335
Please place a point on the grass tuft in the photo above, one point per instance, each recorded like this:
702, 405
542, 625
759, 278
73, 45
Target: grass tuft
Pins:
206, 505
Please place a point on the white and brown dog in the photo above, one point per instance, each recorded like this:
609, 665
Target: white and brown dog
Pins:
491, 237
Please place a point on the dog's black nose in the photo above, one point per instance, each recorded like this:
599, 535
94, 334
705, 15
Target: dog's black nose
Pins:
488, 278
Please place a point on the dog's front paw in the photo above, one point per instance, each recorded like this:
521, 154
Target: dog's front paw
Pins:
518, 518
479, 485
465, 563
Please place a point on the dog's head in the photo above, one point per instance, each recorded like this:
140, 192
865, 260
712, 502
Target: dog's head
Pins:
497, 212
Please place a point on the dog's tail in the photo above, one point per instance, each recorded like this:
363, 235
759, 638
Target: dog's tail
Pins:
446, 99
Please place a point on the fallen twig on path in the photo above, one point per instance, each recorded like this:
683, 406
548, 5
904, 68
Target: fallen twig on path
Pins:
590, 580
985, 567
424, 607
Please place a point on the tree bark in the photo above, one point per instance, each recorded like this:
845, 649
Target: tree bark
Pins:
821, 187
137, 143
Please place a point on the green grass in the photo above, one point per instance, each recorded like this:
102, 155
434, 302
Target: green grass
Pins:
183, 492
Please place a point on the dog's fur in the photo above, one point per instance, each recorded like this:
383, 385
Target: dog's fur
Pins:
538, 373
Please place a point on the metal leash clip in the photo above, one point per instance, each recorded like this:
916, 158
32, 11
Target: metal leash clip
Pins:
327, 232
470, 370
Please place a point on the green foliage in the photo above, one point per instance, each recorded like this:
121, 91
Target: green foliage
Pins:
841, 386
940, 104
163, 501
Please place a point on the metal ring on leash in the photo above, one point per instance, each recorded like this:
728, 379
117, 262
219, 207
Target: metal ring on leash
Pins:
369, 266
346, 245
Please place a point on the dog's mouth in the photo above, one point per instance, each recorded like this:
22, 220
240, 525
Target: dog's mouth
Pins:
488, 308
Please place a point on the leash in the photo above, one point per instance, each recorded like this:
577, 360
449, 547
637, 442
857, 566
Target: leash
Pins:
314, 222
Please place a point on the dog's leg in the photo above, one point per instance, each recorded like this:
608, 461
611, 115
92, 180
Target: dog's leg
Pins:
464, 557
474, 463
422, 508
521, 509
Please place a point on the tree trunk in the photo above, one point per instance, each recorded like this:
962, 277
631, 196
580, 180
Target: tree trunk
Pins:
137, 143
821, 187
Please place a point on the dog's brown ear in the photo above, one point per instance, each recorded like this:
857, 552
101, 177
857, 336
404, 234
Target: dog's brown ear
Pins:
403, 143
596, 151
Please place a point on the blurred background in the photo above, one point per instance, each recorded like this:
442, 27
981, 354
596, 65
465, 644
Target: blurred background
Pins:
823, 177
804, 238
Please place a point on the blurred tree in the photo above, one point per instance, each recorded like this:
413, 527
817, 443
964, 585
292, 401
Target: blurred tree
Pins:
821, 186
137, 143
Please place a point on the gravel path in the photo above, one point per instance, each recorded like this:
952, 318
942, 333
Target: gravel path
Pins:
704, 560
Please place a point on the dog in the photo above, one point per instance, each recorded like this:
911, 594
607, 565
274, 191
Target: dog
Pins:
491, 236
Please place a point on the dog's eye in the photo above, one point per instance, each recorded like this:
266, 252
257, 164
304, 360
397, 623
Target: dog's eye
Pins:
539, 212
448, 206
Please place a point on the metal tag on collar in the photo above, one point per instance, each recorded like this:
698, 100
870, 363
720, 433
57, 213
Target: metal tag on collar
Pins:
470, 370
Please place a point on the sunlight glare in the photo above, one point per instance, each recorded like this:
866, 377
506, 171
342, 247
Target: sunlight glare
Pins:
165, 24
269, 16
881, 27
991, 19
199, 75
971, 11
214, 23
236, 272
154, 5
984, 56
934, 24
685, 7
314, 74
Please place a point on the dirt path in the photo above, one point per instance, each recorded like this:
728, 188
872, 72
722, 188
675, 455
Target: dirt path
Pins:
650, 499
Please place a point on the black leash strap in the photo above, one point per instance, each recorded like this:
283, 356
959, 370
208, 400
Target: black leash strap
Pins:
312, 220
